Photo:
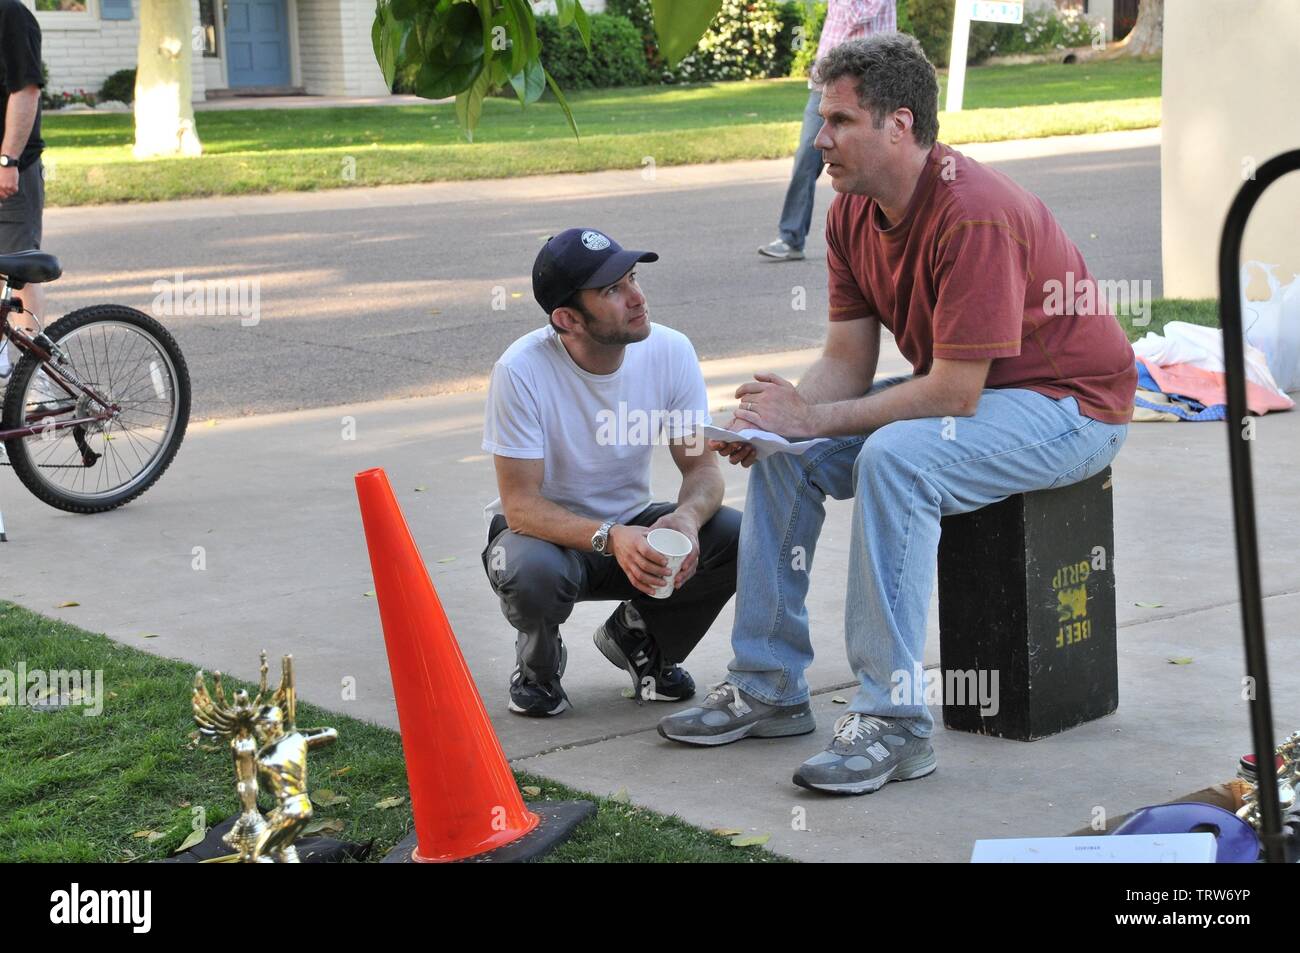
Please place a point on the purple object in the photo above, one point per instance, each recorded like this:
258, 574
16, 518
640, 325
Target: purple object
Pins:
1237, 841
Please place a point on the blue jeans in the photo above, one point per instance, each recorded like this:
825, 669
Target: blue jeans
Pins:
796, 214
903, 478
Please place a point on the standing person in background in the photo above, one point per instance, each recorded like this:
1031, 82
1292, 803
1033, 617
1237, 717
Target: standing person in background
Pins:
22, 177
845, 20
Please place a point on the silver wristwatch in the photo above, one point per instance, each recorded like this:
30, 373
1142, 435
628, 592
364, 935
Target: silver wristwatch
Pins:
600, 541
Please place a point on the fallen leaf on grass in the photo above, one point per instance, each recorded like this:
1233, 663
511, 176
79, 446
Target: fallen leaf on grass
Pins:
531, 790
341, 771
67, 605
326, 825
327, 798
727, 831
150, 836
196, 837
753, 840
390, 802
621, 797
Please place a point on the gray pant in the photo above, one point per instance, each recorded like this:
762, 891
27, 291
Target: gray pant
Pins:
21, 214
539, 583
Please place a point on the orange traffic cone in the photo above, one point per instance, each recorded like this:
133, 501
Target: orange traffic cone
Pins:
463, 794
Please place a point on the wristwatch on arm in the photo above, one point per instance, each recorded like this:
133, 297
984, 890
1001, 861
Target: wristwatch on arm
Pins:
7, 161
600, 541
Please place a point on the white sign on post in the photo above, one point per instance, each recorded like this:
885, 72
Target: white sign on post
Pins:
995, 11
998, 11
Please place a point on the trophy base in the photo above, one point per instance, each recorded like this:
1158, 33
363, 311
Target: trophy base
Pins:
312, 849
558, 819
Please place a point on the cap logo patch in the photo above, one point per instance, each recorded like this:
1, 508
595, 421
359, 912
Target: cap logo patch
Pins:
595, 241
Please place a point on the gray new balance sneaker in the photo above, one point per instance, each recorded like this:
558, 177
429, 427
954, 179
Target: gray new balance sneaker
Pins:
781, 251
865, 754
727, 714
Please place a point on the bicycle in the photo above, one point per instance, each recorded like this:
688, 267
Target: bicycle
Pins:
97, 405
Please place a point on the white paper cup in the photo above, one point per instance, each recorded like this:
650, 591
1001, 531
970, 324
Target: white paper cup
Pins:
676, 546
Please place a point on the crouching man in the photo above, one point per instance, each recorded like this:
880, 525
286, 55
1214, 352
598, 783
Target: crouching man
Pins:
574, 409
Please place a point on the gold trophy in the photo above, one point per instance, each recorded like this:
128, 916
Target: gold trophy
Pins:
266, 746
1288, 782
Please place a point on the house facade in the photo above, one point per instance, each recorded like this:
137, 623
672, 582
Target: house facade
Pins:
318, 47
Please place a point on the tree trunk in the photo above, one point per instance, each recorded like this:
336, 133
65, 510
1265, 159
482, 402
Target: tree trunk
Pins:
1147, 36
164, 115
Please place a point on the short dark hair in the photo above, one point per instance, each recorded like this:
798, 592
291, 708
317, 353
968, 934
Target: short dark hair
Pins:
573, 301
892, 72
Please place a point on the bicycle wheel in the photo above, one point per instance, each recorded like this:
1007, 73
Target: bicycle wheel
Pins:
133, 363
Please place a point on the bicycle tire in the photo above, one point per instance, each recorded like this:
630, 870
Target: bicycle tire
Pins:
11, 415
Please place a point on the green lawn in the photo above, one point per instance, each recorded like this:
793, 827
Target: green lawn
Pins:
1203, 311
122, 786
267, 150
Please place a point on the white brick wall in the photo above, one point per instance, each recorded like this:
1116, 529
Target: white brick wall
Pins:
83, 59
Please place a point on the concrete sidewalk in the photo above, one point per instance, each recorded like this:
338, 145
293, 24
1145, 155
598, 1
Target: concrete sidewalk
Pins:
267, 505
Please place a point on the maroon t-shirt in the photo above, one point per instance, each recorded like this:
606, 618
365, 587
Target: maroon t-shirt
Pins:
978, 268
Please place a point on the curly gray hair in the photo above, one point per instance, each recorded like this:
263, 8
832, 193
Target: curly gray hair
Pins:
892, 72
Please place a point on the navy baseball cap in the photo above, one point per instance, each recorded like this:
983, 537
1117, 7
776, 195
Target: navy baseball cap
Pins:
580, 258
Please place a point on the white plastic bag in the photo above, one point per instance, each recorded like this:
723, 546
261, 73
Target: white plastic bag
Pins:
1273, 325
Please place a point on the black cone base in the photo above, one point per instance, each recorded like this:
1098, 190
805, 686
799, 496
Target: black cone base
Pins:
559, 818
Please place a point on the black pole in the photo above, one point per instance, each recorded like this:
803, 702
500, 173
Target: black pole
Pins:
1243, 495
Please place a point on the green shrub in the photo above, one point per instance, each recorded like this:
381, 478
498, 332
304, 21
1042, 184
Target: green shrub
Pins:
638, 11
120, 87
742, 42
814, 15
930, 21
1043, 30
616, 58
790, 16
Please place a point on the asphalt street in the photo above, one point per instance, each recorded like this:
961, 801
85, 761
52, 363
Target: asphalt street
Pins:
368, 294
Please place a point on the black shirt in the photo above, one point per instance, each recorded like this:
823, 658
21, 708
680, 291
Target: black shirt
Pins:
20, 67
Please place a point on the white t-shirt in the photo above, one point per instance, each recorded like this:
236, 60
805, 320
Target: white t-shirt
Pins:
596, 432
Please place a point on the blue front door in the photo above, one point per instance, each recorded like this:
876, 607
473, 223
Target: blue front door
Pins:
257, 43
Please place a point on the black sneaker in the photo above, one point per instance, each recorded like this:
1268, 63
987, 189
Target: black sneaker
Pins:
672, 683
539, 700
624, 640
536, 700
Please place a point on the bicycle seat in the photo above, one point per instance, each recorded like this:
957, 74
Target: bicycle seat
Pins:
29, 267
